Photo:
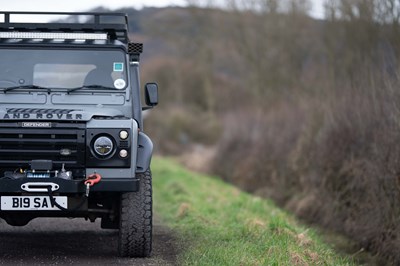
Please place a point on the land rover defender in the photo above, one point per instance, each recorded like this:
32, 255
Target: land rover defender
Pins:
71, 128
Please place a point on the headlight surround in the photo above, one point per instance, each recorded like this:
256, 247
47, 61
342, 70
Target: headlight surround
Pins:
113, 159
103, 146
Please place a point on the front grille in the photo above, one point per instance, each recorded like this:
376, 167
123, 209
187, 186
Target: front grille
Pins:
19, 146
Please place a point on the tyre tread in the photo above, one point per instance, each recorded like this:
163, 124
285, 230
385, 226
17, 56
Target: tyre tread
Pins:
135, 232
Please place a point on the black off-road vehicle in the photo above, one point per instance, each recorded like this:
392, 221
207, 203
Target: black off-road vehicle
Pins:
71, 129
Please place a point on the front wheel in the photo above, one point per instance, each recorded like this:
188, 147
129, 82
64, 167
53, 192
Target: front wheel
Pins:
135, 228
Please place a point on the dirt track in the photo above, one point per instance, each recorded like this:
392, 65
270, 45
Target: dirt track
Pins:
60, 241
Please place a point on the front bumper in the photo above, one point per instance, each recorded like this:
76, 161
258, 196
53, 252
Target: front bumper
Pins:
72, 186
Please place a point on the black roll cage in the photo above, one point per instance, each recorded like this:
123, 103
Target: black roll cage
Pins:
116, 30
98, 24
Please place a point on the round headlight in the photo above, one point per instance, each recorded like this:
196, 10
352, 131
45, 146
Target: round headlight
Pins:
103, 146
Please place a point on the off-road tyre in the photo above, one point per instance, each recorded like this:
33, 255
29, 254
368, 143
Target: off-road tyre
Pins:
135, 228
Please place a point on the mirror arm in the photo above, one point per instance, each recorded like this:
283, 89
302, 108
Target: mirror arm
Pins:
144, 108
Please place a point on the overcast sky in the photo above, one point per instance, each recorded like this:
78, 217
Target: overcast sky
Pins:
83, 5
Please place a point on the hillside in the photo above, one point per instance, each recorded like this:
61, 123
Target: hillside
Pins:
290, 107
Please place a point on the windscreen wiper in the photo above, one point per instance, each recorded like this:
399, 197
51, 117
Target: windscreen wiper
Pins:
90, 87
25, 87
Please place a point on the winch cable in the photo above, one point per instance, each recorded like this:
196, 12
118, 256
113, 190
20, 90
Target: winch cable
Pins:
54, 202
90, 181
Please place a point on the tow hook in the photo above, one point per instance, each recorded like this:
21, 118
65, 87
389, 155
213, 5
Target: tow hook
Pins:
90, 181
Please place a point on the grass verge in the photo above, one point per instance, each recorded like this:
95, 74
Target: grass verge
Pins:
217, 224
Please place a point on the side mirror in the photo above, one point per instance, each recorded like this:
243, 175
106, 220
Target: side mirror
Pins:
151, 94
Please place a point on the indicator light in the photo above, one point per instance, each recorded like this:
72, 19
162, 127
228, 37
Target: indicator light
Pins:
123, 134
123, 153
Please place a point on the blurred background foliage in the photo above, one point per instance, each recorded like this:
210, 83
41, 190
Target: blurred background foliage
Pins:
286, 106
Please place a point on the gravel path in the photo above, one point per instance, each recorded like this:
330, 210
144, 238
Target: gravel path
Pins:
61, 241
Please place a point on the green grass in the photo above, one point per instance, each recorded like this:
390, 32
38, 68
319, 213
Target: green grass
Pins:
217, 224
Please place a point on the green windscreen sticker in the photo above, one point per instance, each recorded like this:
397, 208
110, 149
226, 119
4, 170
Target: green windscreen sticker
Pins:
118, 67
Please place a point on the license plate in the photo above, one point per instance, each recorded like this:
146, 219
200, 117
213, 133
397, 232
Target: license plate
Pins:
31, 203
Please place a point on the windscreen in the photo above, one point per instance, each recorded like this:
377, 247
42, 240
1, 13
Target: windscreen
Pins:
62, 68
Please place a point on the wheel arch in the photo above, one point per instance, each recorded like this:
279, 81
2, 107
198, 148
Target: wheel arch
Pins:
144, 153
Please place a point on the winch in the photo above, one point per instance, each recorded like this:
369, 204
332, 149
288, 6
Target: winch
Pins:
43, 169
40, 169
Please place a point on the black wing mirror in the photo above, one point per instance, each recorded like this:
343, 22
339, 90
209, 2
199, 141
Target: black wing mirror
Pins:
151, 95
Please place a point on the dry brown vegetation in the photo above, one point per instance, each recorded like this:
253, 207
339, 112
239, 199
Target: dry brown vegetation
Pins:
301, 110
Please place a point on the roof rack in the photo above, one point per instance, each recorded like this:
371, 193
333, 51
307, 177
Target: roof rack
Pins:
115, 25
